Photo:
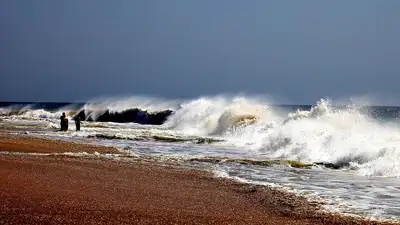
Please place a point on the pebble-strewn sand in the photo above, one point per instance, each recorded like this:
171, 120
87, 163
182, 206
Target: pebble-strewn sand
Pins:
69, 190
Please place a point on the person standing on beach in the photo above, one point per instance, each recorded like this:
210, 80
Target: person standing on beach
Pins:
78, 123
62, 121
65, 124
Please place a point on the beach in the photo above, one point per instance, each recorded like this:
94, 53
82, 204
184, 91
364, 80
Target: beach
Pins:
63, 189
200, 112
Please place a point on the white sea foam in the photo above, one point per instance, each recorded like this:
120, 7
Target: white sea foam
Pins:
367, 149
339, 136
342, 136
218, 115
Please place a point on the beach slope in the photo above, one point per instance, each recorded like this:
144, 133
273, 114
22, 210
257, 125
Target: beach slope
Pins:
88, 190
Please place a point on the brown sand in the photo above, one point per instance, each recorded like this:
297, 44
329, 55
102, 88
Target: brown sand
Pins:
65, 190
18, 143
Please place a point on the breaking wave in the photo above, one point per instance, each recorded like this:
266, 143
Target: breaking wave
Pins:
351, 137
333, 135
129, 110
219, 115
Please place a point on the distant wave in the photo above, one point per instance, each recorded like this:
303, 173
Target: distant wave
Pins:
126, 116
134, 115
141, 110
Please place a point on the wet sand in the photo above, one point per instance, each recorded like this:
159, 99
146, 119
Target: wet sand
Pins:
72, 190
24, 143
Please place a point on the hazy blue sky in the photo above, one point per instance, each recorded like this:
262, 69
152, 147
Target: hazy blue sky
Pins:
54, 50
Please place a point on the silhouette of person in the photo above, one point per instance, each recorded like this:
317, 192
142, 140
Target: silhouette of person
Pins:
65, 123
78, 123
62, 121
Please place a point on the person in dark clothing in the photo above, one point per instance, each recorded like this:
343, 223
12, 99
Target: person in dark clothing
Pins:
62, 121
65, 124
78, 123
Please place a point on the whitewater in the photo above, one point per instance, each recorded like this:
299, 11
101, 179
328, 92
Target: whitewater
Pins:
346, 157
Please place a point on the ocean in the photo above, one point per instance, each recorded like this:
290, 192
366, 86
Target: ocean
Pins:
345, 157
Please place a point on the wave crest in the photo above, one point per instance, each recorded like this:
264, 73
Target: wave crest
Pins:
218, 115
347, 136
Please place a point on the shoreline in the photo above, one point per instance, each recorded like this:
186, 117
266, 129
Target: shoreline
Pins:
70, 190
29, 144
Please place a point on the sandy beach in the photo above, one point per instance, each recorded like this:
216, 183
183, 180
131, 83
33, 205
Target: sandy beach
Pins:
75, 190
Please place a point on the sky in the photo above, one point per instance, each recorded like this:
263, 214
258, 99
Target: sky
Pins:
54, 50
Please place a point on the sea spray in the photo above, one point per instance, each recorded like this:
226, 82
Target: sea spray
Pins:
349, 136
218, 115
340, 136
347, 155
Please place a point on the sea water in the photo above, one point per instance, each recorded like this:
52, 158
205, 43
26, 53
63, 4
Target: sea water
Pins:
347, 157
